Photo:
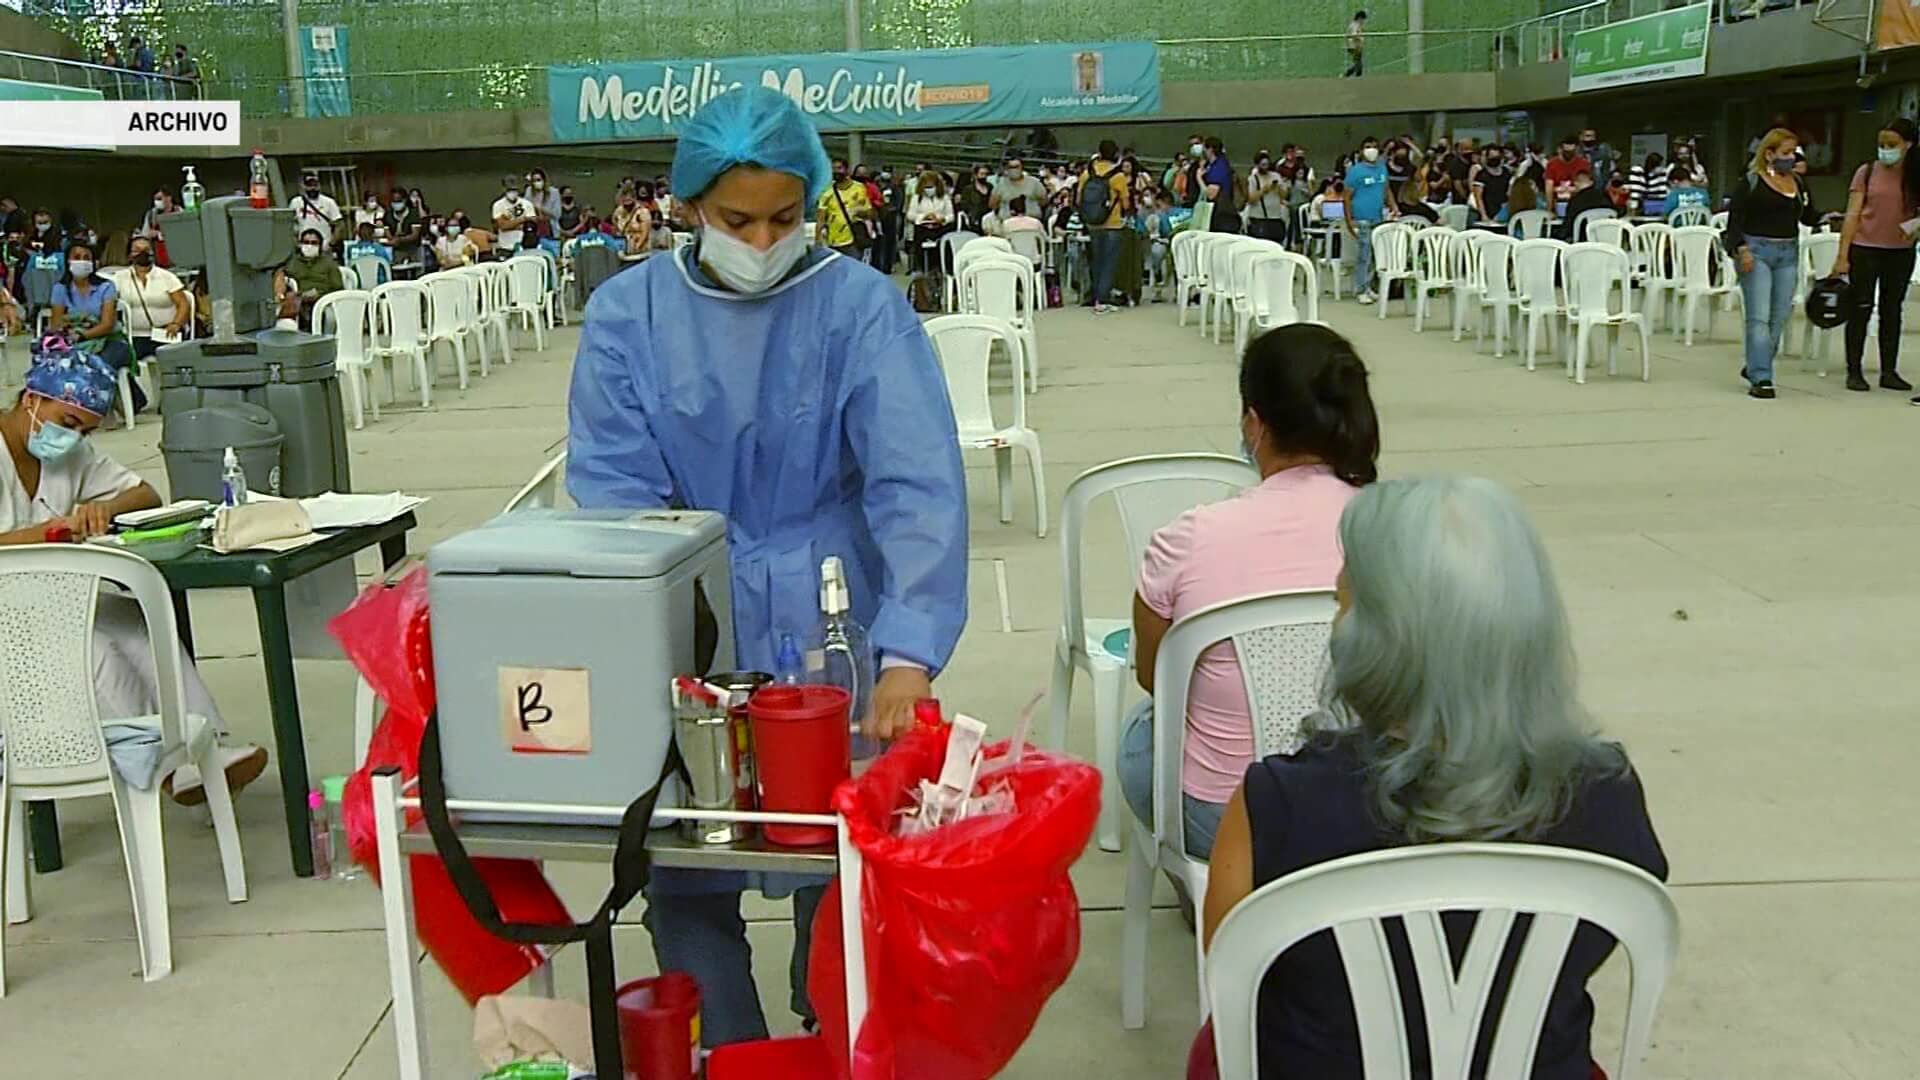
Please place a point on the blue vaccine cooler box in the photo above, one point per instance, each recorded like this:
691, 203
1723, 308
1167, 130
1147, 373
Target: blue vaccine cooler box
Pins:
556, 634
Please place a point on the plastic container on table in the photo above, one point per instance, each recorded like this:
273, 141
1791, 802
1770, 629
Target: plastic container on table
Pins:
660, 1027
801, 752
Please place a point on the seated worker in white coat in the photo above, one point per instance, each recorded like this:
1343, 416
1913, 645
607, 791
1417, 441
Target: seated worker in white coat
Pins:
792, 390
53, 475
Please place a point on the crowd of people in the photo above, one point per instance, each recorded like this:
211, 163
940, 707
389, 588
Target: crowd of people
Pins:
142, 59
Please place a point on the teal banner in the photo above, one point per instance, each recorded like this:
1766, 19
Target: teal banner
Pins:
323, 63
865, 91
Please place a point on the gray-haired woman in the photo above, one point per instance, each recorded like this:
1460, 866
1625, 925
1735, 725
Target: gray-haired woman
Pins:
1453, 680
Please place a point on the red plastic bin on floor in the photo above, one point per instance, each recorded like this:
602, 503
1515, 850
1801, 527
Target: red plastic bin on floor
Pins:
799, 1058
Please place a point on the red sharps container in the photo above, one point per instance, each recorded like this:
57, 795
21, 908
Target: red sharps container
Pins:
801, 752
660, 1027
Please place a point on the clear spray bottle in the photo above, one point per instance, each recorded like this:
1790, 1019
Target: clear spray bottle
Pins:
843, 655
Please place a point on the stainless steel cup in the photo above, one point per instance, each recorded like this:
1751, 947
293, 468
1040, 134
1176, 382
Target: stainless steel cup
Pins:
705, 737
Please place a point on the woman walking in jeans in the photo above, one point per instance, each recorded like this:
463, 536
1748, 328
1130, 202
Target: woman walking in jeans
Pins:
1876, 254
1763, 231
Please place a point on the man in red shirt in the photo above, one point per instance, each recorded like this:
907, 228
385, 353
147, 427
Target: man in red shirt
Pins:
1561, 170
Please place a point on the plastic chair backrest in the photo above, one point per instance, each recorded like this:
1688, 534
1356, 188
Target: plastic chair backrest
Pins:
48, 715
1437, 254
950, 246
1392, 248
1353, 896
1683, 216
528, 280
1817, 253
1240, 258
983, 247
1029, 244
399, 310
1493, 262
1535, 266
1273, 288
349, 309
1592, 272
1148, 492
1652, 244
999, 287
1695, 250
450, 298
1279, 630
1530, 225
543, 491
372, 270
964, 344
1586, 219
1719, 220
1615, 231
1455, 216
349, 278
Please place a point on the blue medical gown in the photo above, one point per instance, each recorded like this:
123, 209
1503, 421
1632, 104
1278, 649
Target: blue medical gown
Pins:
814, 417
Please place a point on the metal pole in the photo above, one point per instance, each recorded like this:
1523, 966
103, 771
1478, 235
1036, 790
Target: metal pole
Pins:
855, 146
296, 71
1416, 36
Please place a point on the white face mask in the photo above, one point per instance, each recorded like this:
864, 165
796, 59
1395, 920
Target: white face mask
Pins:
744, 268
81, 269
310, 250
1371, 153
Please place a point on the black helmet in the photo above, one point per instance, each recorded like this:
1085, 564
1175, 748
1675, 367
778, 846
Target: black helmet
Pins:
1826, 302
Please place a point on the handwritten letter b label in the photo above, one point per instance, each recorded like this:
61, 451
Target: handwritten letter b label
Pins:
546, 710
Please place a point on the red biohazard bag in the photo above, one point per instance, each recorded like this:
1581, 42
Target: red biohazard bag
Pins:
385, 633
968, 929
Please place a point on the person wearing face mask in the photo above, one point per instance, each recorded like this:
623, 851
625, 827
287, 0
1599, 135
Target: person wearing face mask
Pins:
46, 235
971, 201
452, 247
1763, 234
155, 300
162, 203
406, 227
86, 312
1560, 173
1489, 184
633, 221
1267, 209
1369, 202
313, 272
546, 204
512, 214
54, 475
1687, 156
367, 213
1876, 253
844, 213
793, 390
569, 223
1599, 155
1015, 180
314, 210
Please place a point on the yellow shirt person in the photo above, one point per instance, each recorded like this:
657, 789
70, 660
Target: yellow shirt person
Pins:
834, 225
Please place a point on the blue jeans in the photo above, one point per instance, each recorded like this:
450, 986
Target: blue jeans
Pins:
1202, 818
1767, 290
1106, 259
703, 935
1363, 256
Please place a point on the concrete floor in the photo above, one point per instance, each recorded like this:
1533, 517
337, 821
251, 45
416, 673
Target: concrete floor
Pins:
1741, 589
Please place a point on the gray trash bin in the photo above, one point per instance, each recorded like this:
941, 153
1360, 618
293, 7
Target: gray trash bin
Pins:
196, 440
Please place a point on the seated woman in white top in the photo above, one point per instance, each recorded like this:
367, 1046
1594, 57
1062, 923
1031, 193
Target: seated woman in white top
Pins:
53, 476
1308, 424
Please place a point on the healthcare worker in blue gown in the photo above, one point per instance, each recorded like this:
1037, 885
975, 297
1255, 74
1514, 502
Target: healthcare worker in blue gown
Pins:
792, 390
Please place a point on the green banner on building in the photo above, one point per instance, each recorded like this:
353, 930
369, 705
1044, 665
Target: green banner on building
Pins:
1665, 45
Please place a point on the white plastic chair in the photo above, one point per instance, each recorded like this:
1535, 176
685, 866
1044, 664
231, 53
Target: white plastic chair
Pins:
1718, 220
1817, 253
1324, 248
476, 280
1031, 245
124, 376
1002, 286
1681, 217
1352, 898
494, 297
349, 278
1536, 268
1530, 225
1455, 216
1698, 261
1651, 247
1276, 280
950, 246
1240, 260
1493, 291
1282, 638
965, 346
1593, 272
449, 319
544, 490
370, 270
1584, 223
350, 311
1148, 492
1434, 270
400, 329
1617, 231
527, 295
1189, 273
1393, 261
984, 247
1217, 296
55, 748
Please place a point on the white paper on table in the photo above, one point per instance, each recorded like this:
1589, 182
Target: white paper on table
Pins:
339, 510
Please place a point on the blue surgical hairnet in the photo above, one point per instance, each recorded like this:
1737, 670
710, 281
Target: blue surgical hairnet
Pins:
75, 377
750, 126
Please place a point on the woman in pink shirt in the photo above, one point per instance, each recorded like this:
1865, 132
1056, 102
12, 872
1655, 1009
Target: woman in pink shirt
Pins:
1876, 251
1307, 422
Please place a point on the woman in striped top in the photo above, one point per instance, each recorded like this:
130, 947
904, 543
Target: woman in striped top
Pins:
1647, 186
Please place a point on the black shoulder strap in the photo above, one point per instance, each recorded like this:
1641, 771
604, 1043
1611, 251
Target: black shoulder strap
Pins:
632, 868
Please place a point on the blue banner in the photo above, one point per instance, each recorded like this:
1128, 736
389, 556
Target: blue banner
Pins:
865, 91
323, 67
